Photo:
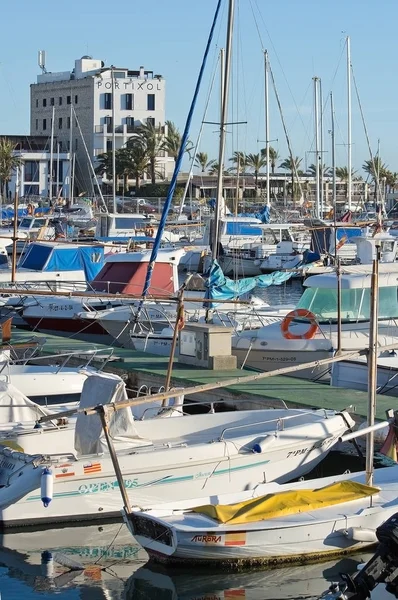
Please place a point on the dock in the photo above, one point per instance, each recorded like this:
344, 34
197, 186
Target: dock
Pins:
148, 372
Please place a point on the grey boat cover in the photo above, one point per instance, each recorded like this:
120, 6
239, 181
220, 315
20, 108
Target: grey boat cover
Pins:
15, 407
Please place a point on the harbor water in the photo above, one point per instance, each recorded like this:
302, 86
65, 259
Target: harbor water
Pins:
103, 563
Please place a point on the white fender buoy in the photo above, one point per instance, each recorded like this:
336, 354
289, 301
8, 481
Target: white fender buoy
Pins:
361, 534
46, 486
263, 443
47, 564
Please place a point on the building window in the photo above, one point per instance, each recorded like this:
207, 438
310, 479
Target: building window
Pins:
76, 99
130, 124
68, 99
68, 123
109, 146
44, 124
68, 145
52, 101
75, 143
150, 121
108, 124
37, 124
107, 101
128, 102
31, 190
151, 102
60, 123
44, 102
31, 170
37, 103
60, 100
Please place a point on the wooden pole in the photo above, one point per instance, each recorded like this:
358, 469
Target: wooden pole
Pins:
103, 414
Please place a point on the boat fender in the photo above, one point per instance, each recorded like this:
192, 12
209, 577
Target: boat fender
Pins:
47, 564
361, 534
67, 561
46, 486
263, 444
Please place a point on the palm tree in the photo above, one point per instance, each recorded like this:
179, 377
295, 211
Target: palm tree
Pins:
342, 174
214, 169
201, 161
8, 164
135, 159
255, 162
153, 138
377, 170
273, 157
326, 171
391, 181
291, 165
240, 161
172, 141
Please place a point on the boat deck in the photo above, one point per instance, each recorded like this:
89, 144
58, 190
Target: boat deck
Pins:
143, 369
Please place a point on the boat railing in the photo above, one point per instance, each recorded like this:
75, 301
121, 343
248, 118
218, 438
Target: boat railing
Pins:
91, 355
211, 405
279, 423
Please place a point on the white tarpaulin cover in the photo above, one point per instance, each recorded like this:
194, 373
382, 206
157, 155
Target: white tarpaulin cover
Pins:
104, 388
15, 407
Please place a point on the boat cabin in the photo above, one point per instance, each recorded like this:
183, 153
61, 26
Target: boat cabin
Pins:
320, 296
125, 226
125, 273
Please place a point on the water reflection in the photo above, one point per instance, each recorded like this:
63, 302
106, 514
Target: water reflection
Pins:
307, 581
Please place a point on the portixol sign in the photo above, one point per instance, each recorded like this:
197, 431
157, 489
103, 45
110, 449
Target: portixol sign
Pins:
147, 86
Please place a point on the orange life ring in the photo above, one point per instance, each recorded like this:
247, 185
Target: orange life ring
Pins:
149, 231
299, 312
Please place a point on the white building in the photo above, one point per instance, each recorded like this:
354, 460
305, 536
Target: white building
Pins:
87, 93
32, 178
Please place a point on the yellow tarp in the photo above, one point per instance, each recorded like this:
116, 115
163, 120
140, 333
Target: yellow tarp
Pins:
286, 503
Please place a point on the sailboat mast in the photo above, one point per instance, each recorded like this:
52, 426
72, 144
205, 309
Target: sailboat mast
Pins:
349, 158
113, 144
320, 158
224, 112
316, 124
267, 188
372, 364
334, 189
50, 179
71, 155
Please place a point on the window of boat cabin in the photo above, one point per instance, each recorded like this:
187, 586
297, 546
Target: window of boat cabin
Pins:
355, 304
129, 223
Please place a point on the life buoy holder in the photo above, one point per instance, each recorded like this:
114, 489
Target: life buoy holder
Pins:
299, 312
149, 231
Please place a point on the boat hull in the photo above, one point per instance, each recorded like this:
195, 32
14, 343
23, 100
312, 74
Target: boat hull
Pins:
87, 488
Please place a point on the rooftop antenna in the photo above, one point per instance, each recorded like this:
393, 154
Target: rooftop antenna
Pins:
42, 60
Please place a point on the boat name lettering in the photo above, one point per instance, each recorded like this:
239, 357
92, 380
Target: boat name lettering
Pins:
297, 452
56, 307
208, 597
279, 358
207, 539
105, 486
201, 474
5, 464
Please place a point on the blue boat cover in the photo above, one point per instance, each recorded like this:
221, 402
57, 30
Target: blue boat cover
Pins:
220, 287
242, 228
42, 257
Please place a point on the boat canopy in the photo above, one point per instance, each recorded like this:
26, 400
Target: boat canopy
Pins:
15, 407
49, 257
272, 506
125, 273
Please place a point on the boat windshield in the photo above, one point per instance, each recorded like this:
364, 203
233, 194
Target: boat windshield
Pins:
355, 304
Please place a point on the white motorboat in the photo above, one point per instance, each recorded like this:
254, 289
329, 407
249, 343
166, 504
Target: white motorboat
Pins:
232, 451
122, 273
47, 379
311, 331
296, 522
353, 374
